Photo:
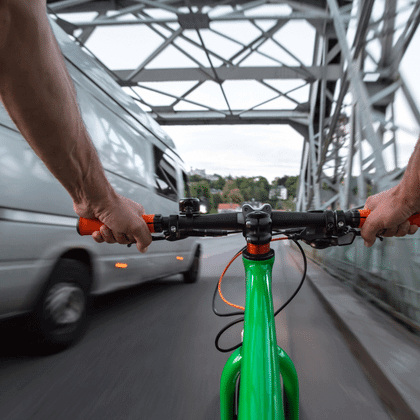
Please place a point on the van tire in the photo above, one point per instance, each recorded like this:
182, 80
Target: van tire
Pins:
191, 276
60, 315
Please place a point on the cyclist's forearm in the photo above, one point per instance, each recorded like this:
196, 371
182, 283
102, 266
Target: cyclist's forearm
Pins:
38, 93
409, 185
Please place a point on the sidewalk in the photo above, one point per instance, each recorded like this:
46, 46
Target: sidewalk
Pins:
387, 352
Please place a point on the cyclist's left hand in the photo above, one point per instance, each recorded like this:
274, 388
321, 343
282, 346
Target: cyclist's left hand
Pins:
123, 221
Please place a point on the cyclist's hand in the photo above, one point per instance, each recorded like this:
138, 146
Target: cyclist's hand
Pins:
390, 211
123, 222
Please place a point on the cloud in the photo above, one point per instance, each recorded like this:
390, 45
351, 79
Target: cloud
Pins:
255, 150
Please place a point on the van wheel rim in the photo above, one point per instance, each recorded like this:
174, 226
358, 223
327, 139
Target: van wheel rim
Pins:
65, 304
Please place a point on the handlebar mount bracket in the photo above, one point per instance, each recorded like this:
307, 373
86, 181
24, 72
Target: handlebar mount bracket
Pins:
258, 224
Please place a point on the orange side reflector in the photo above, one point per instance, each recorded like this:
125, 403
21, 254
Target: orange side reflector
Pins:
121, 265
180, 258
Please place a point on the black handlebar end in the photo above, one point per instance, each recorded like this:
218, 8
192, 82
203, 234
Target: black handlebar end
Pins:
353, 218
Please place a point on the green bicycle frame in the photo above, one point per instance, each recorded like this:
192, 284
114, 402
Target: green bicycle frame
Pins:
259, 361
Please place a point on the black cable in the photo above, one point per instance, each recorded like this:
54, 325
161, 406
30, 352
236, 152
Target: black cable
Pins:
221, 332
242, 318
301, 282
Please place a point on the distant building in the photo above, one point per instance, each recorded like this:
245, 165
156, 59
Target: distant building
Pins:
199, 172
279, 192
203, 208
214, 191
202, 173
228, 208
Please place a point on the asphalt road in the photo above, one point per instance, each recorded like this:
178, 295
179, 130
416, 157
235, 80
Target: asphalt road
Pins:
149, 353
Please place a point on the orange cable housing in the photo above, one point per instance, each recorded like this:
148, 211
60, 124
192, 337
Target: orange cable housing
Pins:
230, 262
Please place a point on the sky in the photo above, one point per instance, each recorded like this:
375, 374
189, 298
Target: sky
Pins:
257, 150
254, 150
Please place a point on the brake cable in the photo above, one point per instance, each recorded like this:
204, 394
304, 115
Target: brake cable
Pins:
240, 313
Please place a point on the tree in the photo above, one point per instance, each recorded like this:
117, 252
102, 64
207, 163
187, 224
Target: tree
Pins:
217, 199
263, 189
235, 196
196, 178
201, 190
247, 187
291, 185
219, 184
280, 181
230, 185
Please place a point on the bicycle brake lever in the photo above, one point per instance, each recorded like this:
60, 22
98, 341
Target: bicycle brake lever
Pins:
154, 238
318, 239
378, 235
293, 234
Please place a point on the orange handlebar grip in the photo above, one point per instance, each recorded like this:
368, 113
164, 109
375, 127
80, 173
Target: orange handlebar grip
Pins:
414, 219
363, 214
88, 226
149, 219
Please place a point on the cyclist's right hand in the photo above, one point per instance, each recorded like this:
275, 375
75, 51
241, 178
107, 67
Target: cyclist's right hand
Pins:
122, 219
389, 210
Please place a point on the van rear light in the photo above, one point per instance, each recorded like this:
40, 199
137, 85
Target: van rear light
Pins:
180, 258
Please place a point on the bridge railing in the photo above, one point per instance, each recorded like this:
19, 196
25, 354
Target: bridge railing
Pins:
387, 274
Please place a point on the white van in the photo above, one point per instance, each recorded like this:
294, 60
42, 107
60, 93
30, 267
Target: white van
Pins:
46, 268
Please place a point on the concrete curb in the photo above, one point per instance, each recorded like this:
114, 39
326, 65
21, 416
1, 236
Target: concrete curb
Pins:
385, 382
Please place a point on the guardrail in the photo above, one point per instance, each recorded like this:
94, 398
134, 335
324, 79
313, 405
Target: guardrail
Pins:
387, 274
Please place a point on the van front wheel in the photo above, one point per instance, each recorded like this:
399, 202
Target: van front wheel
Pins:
191, 276
60, 316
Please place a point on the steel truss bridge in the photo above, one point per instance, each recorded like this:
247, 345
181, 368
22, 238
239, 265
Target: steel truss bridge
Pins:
339, 95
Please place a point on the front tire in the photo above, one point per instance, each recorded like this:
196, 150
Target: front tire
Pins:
60, 316
191, 276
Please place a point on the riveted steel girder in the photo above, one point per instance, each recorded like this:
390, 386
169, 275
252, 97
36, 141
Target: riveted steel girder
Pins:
351, 79
360, 130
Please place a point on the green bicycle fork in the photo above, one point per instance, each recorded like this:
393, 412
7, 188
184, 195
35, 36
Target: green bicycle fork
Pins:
259, 361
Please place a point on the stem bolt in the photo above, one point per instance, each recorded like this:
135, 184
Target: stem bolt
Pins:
340, 224
173, 229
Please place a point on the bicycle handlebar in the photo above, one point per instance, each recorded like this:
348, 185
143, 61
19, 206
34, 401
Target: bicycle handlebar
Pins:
319, 228
227, 221
235, 221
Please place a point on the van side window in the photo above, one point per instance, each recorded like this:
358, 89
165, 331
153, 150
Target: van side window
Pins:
187, 192
122, 148
165, 176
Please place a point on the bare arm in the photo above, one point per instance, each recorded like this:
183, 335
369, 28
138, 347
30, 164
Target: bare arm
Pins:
390, 209
39, 96
38, 93
411, 179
